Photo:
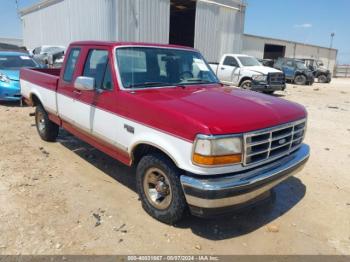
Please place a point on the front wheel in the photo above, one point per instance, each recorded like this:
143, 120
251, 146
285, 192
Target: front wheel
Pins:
322, 79
47, 129
247, 84
300, 80
159, 188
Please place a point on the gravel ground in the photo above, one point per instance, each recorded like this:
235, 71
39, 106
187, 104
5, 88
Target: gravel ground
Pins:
68, 198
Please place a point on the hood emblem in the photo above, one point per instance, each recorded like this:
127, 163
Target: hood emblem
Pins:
282, 141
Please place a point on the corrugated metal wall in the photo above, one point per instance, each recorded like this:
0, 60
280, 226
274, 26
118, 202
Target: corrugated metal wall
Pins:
118, 20
143, 20
69, 21
218, 28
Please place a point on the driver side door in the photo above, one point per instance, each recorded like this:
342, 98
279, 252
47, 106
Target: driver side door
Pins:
228, 71
288, 69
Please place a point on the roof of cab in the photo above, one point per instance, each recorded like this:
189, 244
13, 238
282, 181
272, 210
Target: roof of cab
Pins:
115, 44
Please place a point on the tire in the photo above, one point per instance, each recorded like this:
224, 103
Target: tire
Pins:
246, 84
322, 79
300, 80
269, 92
48, 130
151, 188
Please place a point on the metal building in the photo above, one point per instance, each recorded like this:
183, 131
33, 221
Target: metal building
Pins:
270, 48
213, 27
11, 41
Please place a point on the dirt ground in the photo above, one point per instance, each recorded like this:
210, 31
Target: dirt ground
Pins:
68, 198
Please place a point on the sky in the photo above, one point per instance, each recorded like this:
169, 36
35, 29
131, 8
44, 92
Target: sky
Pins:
306, 21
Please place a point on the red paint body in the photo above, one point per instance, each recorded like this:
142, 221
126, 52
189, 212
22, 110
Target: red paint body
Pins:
182, 112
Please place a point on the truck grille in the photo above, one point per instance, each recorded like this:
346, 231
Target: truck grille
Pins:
276, 78
268, 144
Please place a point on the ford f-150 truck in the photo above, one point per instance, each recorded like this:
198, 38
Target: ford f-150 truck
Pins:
248, 73
197, 145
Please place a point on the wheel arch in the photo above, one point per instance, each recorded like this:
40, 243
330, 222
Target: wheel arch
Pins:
35, 98
142, 148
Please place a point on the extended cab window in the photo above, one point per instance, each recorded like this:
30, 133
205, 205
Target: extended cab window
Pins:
230, 61
95, 66
70, 65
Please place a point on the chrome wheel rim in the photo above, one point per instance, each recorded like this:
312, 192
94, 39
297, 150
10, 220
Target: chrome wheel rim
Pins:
40, 120
157, 188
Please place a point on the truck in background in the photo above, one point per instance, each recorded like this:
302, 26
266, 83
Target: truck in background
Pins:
318, 69
295, 71
247, 72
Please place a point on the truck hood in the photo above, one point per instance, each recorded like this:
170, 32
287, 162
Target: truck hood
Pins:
215, 109
12, 74
262, 69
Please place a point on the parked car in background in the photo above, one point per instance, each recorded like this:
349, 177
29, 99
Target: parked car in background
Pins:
196, 144
10, 65
320, 72
248, 73
51, 56
295, 71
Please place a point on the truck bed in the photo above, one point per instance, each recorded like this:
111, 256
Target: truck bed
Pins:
41, 83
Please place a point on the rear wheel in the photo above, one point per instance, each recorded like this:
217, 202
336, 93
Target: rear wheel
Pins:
159, 187
246, 84
322, 79
300, 80
47, 129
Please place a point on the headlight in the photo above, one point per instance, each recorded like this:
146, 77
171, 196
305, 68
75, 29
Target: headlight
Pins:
4, 78
260, 78
212, 151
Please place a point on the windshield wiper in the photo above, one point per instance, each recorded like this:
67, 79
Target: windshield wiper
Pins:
148, 84
198, 80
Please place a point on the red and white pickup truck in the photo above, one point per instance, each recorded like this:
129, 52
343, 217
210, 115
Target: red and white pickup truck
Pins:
197, 145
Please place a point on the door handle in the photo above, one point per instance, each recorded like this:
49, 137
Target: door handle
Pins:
222, 68
78, 92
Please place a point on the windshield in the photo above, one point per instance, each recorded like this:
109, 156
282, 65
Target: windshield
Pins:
141, 67
300, 65
249, 61
12, 62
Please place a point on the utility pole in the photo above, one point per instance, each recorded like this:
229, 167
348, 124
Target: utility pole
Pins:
330, 49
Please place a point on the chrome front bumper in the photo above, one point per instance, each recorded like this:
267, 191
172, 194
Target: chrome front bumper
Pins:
239, 188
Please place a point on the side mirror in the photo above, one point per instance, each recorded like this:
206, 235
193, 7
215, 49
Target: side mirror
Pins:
84, 83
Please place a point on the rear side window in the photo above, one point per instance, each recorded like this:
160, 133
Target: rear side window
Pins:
70, 65
95, 66
230, 61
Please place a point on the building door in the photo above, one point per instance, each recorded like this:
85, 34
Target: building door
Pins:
274, 51
182, 22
